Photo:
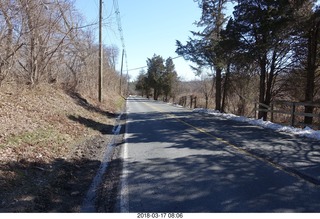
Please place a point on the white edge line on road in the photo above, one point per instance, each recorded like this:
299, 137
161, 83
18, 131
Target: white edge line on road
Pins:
124, 190
88, 204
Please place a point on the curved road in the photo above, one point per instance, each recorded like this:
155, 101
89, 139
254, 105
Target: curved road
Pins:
179, 161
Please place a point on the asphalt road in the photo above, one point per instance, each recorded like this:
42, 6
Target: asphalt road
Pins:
179, 161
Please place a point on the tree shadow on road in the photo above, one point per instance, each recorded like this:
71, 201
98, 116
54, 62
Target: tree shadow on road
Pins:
297, 154
197, 172
300, 154
215, 183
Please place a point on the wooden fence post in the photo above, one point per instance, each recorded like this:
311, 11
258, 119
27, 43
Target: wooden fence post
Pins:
255, 110
293, 111
271, 108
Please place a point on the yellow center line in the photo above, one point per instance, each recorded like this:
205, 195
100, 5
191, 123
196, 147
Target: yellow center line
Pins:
194, 127
238, 148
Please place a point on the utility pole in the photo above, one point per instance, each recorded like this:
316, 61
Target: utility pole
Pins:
121, 72
100, 52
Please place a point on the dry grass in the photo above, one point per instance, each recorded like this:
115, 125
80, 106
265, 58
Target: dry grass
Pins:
37, 124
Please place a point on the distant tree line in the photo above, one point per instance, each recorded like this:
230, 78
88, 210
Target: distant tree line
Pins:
48, 42
271, 47
159, 80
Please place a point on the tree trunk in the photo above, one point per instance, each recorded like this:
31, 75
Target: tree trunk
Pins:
155, 94
4, 66
311, 70
225, 88
270, 80
218, 88
262, 88
207, 100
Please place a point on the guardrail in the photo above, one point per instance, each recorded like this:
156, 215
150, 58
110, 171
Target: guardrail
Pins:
293, 109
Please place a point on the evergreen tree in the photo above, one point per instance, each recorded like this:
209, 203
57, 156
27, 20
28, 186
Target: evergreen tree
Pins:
264, 27
142, 84
161, 77
307, 53
203, 48
313, 61
155, 73
169, 79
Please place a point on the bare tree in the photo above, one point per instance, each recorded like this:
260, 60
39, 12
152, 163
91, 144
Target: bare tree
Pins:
8, 46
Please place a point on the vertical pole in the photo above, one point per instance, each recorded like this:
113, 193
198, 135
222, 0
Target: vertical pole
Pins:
121, 71
127, 78
255, 110
272, 112
100, 51
293, 111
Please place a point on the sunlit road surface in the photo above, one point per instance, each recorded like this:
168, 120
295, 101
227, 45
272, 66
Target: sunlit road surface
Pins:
179, 161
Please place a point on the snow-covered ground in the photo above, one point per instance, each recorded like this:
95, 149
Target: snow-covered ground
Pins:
306, 132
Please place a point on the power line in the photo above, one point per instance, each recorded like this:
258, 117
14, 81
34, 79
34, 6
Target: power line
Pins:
118, 17
137, 68
111, 33
133, 69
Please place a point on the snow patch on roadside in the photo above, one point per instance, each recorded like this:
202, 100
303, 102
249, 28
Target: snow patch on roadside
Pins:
306, 132
175, 104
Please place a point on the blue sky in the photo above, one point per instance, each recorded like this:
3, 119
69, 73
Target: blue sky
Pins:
149, 27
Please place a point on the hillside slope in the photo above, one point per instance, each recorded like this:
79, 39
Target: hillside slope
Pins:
51, 143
